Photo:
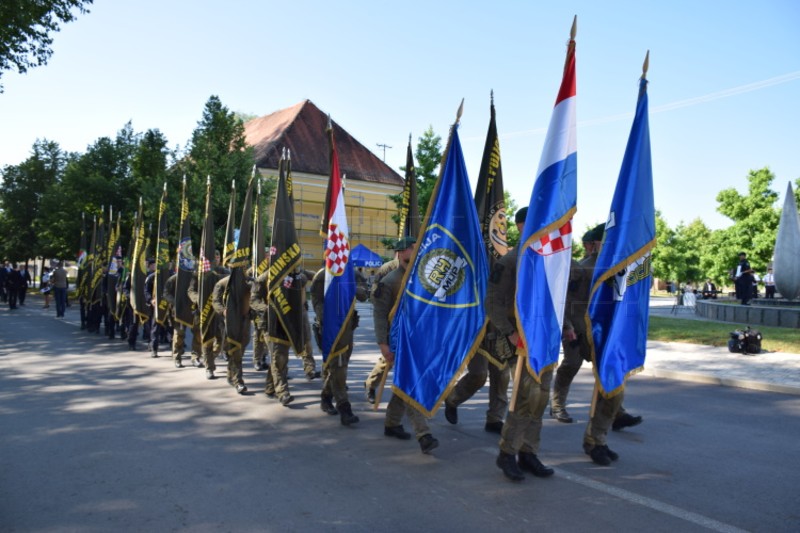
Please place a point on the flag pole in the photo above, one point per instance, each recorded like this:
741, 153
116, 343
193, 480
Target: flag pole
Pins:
431, 202
379, 392
520, 363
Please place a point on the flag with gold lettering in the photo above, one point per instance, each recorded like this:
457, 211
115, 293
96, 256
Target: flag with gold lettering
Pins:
185, 265
162, 261
286, 285
237, 302
409, 206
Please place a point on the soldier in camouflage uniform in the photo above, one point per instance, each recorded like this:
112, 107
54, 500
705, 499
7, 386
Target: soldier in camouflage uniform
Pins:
522, 430
334, 386
376, 375
219, 300
386, 295
179, 330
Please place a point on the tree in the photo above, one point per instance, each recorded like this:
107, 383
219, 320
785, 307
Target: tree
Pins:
512, 235
218, 149
97, 179
23, 189
755, 225
25, 28
428, 157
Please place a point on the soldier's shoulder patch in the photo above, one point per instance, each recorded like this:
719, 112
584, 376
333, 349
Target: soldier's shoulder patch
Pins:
497, 273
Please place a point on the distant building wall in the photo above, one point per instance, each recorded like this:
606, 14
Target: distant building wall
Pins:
369, 213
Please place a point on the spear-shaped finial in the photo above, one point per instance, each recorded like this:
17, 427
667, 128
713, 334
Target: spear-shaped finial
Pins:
289, 154
646, 65
574, 30
254, 171
110, 213
233, 185
409, 137
184, 179
491, 96
208, 179
460, 111
140, 203
83, 215
283, 154
165, 186
329, 122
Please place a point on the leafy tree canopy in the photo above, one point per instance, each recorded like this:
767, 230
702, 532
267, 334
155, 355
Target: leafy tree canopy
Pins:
26, 27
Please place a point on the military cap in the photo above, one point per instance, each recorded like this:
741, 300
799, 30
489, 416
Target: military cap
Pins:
404, 243
595, 234
151, 261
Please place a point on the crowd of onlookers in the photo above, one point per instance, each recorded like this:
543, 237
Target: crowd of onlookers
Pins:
746, 282
14, 283
15, 280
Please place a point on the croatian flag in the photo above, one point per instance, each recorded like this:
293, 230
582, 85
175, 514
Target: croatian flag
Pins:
546, 241
340, 281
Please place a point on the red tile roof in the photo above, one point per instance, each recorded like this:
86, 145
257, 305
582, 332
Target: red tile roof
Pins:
301, 129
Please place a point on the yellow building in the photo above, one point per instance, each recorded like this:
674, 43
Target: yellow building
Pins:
368, 183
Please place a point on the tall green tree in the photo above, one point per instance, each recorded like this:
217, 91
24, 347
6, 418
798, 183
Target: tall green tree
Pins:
26, 28
755, 225
217, 149
428, 156
98, 178
21, 207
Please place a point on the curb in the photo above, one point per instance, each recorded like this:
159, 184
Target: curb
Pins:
724, 382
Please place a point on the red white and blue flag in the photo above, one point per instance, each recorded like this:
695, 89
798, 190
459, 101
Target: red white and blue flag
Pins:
340, 281
546, 241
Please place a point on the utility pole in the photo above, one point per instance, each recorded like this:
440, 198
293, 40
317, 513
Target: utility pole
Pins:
384, 146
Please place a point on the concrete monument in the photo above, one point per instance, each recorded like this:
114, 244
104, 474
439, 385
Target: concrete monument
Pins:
787, 249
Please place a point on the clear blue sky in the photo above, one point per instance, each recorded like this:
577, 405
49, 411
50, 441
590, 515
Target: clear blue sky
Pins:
724, 82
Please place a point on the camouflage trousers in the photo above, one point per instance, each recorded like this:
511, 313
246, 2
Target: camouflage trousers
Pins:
523, 427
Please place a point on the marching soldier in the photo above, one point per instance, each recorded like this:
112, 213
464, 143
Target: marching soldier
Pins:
334, 385
376, 375
179, 329
211, 349
150, 299
522, 429
219, 301
385, 297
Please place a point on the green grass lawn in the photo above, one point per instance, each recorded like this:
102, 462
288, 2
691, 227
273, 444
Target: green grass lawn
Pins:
717, 334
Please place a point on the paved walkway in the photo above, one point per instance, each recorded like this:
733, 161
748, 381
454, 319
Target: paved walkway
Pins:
775, 371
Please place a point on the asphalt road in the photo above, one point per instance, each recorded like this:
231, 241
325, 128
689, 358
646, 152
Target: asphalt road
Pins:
96, 438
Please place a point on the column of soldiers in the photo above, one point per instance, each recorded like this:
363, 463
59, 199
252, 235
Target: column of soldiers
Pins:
519, 430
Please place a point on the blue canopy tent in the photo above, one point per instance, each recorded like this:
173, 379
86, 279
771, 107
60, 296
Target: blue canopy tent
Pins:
361, 256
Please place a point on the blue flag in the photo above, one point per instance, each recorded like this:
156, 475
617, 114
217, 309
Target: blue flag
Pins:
440, 316
619, 301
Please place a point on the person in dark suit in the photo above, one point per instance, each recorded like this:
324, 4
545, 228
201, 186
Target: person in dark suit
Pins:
25, 276
13, 284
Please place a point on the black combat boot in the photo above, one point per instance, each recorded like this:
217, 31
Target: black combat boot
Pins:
346, 414
531, 463
508, 464
327, 405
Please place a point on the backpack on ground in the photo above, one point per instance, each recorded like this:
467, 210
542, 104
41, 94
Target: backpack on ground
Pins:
746, 341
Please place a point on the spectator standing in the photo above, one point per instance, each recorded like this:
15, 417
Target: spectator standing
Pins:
26, 282
744, 280
58, 279
769, 284
44, 287
13, 284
